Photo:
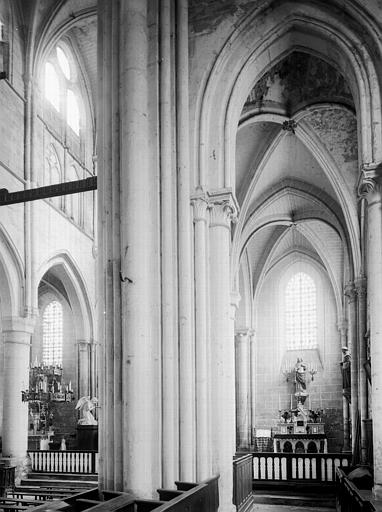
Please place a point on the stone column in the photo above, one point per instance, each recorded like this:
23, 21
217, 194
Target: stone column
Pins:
253, 385
168, 208
222, 208
242, 366
371, 188
360, 285
352, 344
128, 264
203, 458
83, 368
186, 339
17, 343
342, 327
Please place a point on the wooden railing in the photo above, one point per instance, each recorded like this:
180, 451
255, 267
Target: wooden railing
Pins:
66, 461
319, 467
242, 481
7, 478
349, 498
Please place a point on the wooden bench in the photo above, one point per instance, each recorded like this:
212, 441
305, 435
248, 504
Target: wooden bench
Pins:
13, 506
21, 501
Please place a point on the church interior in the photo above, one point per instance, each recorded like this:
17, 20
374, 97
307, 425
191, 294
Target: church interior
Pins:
190, 249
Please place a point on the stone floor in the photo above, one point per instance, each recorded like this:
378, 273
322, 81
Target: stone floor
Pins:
260, 507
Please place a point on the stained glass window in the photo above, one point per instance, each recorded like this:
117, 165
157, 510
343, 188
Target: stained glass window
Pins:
52, 324
301, 312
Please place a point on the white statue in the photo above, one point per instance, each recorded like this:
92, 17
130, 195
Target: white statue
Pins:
85, 405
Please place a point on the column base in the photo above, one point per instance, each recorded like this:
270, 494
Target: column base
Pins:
23, 466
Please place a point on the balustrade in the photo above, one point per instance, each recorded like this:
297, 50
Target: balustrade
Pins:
68, 461
293, 466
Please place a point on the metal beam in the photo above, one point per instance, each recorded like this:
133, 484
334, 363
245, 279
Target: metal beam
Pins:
61, 189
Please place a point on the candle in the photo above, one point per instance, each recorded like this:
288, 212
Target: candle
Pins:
320, 399
291, 401
70, 385
279, 403
310, 404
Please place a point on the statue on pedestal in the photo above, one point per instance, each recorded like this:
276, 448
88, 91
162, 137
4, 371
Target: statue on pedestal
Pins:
86, 405
300, 380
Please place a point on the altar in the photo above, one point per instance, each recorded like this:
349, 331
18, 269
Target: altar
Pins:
300, 436
300, 429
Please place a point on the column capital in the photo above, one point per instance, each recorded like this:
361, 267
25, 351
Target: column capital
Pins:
235, 299
350, 292
19, 324
200, 205
83, 343
342, 326
361, 286
223, 207
370, 180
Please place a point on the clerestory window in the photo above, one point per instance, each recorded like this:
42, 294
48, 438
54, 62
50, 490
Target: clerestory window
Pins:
61, 86
52, 327
301, 312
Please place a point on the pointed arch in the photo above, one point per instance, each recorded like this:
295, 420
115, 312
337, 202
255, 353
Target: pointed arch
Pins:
12, 284
349, 43
64, 268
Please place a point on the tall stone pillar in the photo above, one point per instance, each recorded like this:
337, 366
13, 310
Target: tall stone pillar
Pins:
243, 412
83, 368
360, 285
17, 343
370, 187
202, 349
128, 263
222, 208
352, 344
342, 327
168, 209
187, 418
253, 384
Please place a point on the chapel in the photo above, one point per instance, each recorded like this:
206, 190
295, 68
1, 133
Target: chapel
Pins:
191, 240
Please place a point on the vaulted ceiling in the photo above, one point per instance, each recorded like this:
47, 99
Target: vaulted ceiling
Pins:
296, 160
